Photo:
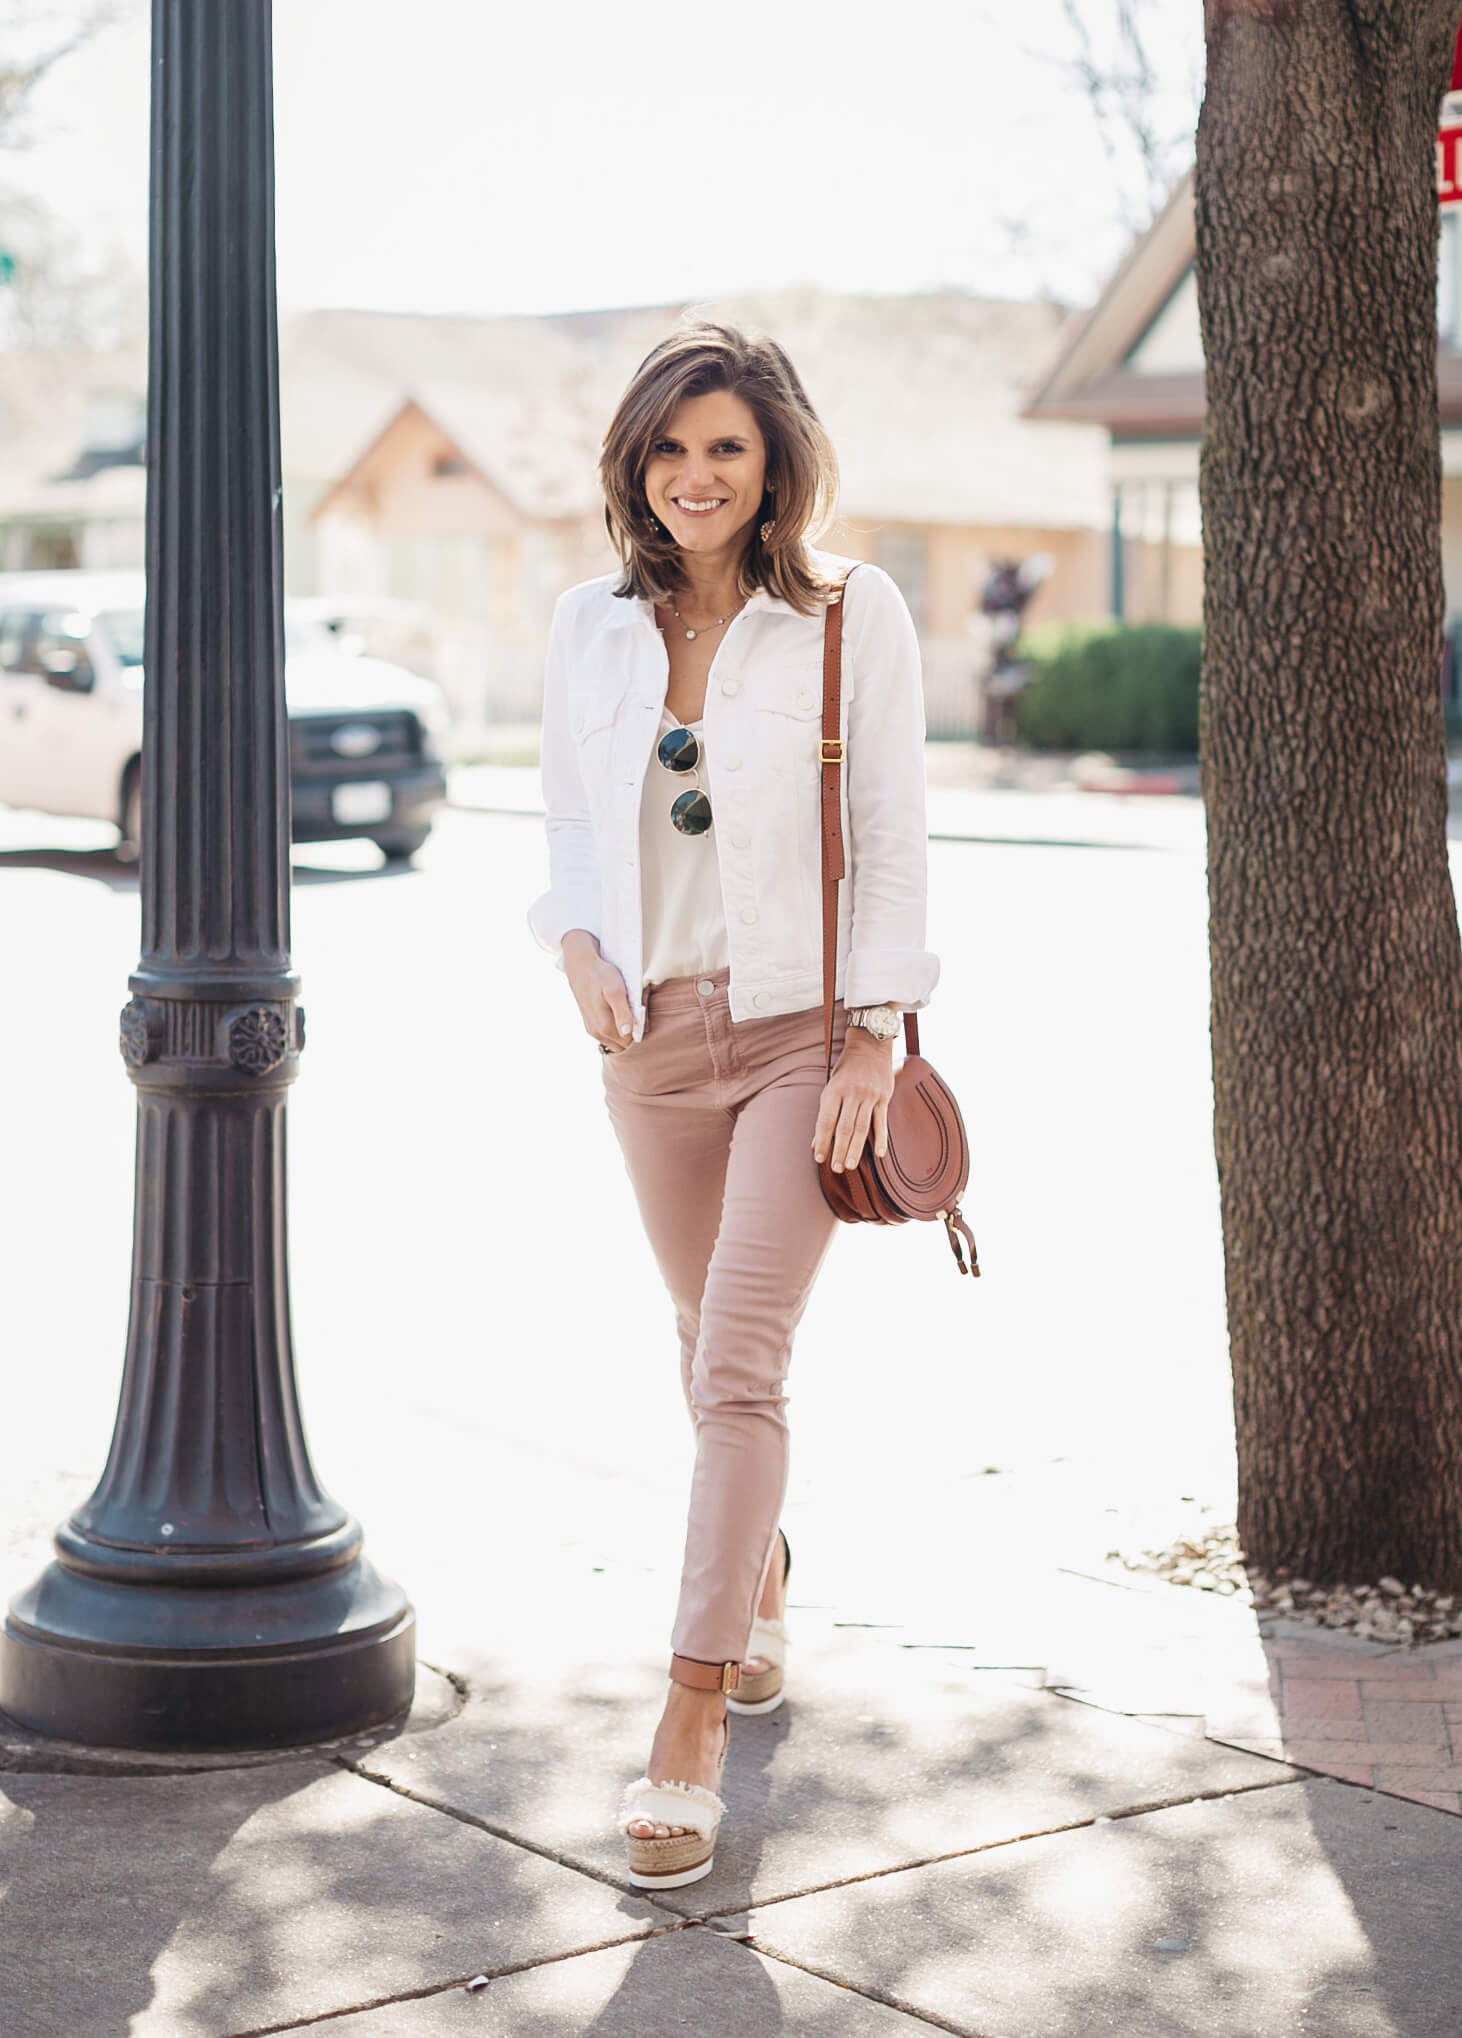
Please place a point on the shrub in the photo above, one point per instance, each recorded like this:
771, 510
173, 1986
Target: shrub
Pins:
1111, 687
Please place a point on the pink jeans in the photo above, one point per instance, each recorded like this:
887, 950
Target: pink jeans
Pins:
715, 1122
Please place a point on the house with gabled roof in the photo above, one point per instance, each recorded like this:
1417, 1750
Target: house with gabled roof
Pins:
478, 495
446, 467
1133, 365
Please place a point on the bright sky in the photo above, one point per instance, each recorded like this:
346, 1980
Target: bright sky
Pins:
451, 155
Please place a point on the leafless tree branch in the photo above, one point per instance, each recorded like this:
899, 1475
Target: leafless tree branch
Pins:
47, 35
1124, 93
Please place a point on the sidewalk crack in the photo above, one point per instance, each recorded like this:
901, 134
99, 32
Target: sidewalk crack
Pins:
447, 1988
436, 1804
874, 1995
1132, 1811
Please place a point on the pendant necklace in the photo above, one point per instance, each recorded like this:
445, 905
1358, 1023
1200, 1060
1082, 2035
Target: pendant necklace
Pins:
693, 634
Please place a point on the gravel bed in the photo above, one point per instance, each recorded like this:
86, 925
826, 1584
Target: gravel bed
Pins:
1388, 1611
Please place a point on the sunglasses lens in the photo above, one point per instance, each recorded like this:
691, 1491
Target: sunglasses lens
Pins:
678, 750
691, 813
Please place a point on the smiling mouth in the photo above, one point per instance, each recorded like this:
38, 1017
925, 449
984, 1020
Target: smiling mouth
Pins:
689, 507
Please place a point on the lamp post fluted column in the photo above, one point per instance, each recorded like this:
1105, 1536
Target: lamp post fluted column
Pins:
210, 1594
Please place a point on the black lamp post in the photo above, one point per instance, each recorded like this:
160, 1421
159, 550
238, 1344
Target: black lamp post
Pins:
210, 1594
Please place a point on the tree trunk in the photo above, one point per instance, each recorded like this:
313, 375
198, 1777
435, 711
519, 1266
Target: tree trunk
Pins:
1337, 971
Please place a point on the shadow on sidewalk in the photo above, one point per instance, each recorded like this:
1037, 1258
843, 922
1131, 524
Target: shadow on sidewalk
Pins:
107, 1882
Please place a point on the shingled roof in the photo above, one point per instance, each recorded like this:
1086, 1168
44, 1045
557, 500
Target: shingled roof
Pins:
923, 396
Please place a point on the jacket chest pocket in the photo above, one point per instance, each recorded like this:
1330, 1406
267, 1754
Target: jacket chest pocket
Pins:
788, 730
596, 723
788, 733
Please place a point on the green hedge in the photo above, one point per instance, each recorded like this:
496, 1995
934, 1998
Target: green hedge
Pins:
1110, 686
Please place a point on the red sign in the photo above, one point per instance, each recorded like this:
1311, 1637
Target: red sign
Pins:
1449, 135
1449, 165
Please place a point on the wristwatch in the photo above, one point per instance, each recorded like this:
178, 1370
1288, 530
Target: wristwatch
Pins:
882, 1021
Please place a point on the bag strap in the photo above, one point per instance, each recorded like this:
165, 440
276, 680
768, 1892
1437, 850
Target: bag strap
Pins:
830, 753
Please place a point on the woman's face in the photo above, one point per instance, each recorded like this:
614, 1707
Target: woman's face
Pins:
706, 472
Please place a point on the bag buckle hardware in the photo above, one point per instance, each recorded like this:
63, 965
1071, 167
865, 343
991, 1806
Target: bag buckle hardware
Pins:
833, 743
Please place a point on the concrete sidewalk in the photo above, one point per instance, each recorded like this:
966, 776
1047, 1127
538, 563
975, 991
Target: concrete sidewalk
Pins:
1118, 1810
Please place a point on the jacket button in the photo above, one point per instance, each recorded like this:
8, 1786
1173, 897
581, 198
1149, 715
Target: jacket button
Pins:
740, 840
761, 998
731, 763
730, 686
804, 700
748, 914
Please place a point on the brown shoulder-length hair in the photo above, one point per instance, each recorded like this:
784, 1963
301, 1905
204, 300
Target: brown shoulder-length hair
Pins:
802, 469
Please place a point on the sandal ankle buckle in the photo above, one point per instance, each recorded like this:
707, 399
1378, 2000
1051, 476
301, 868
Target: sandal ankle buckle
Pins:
730, 1677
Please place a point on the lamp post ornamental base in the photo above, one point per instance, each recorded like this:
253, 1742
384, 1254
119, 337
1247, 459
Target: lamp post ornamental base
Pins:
325, 1657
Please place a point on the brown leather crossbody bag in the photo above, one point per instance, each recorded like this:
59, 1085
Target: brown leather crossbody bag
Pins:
924, 1172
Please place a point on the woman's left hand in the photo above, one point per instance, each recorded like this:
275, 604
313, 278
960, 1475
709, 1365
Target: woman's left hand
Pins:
855, 1101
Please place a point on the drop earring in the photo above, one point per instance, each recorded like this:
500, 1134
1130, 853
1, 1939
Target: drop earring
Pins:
766, 530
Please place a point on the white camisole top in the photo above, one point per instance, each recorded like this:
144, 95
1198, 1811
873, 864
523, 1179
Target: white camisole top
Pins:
680, 885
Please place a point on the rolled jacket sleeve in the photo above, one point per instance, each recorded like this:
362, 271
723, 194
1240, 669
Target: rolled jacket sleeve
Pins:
888, 840
573, 897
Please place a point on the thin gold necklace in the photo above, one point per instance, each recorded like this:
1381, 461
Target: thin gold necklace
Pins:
705, 627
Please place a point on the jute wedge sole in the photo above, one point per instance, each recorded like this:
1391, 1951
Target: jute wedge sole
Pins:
681, 1858
764, 1691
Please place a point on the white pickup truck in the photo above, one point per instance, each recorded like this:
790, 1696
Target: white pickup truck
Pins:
363, 735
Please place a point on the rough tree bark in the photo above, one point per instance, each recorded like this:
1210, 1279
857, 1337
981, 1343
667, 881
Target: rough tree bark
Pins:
1337, 972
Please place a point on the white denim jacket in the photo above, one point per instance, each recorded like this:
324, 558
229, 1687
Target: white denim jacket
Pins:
603, 696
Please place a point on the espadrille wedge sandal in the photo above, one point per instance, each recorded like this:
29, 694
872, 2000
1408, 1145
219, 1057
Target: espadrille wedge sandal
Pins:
682, 1857
763, 1690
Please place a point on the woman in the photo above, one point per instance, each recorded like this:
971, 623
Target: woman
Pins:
681, 725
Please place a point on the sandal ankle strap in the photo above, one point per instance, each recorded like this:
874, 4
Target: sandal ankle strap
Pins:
704, 1676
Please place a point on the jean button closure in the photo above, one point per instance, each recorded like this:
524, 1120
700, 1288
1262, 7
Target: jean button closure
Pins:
706, 987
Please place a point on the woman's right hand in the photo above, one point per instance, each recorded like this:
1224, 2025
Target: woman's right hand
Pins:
599, 991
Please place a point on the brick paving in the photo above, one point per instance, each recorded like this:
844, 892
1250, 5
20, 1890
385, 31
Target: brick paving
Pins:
1392, 1722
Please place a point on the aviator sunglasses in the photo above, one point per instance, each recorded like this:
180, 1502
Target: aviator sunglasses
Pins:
679, 750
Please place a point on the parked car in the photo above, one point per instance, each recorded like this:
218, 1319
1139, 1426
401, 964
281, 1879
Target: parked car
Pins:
363, 734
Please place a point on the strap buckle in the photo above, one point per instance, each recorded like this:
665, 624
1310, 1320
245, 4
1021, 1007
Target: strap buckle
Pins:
833, 743
730, 1677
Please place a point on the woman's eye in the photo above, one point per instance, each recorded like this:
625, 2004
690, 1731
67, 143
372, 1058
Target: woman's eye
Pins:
667, 446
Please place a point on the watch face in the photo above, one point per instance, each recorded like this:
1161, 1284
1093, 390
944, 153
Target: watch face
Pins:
881, 1024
